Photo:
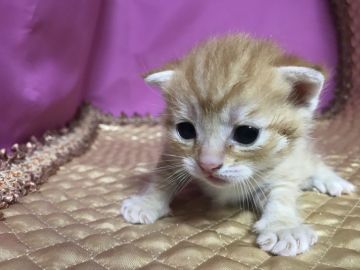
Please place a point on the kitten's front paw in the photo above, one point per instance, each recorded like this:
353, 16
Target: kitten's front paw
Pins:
287, 242
334, 185
144, 210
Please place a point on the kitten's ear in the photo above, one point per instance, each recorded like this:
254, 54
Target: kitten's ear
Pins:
306, 85
159, 79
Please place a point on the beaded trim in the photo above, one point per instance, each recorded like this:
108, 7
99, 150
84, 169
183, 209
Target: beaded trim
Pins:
26, 166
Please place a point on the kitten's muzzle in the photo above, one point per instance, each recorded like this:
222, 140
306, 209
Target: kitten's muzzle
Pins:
209, 168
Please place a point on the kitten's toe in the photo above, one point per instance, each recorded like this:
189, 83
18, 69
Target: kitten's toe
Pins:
287, 242
286, 245
319, 185
334, 186
267, 240
138, 209
347, 186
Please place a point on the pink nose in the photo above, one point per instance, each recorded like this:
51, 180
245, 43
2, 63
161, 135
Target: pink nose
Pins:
209, 167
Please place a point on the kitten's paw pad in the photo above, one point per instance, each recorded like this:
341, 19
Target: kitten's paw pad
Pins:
287, 242
137, 209
334, 186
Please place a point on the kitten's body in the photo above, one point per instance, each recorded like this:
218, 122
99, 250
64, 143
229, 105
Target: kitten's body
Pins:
224, 94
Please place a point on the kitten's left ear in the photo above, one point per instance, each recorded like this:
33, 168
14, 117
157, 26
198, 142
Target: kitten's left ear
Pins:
159, 79
306, 83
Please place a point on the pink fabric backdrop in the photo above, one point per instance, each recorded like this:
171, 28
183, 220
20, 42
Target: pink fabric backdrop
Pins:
55, 54
44, 54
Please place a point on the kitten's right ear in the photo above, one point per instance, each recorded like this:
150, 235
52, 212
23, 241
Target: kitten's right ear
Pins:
160, 79
306, 85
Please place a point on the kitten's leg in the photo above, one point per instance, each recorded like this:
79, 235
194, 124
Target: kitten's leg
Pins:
326, 180
149, 206
280, 228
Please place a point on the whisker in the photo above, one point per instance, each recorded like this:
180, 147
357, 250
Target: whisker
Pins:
168, 165
238, 192
259, 186
169, 180
243, 195
264, 194
155, 163
178, 180
186, 180
246, 188
248, 193
171, 155
252, 191
162, 168
255, 208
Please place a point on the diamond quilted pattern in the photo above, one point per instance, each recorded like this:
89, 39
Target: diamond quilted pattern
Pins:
75, 226
283, 263
59, 256
98, 243
239, 251
185, 255
342, 257
155, 243
156, 266
210, 239
10, 246
345, 238
89, 265
76, 231
120, 257
42, 207
19, 263
231, 229
58, 219
23, 223
41, 238
219, 262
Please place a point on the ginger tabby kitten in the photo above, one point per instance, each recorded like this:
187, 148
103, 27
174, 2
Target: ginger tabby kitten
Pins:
239, 112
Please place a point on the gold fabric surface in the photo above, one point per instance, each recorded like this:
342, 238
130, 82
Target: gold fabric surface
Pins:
73, 222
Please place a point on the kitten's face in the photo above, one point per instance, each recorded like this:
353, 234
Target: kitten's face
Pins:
228, 138
226, 146
229, 122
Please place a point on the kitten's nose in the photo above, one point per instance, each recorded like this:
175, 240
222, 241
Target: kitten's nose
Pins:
210, 167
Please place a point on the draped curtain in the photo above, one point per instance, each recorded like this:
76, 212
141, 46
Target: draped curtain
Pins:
56, 54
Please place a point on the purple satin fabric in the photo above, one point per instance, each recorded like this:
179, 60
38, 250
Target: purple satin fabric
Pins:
55, 54
44, 55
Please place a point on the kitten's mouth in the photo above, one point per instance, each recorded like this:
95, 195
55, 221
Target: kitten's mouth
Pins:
216, 181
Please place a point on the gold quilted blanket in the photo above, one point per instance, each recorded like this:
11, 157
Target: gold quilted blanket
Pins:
73, 221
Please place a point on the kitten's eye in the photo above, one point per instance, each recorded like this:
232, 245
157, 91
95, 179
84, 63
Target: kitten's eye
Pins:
186, 130
246, 134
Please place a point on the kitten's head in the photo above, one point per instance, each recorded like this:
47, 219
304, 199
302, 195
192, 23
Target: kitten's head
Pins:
236, 107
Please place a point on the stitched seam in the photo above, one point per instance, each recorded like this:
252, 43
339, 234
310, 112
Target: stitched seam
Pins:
228, 244
130, 242
59, 233
332, 266
22, 242
83, 262
332, 235
191, 235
